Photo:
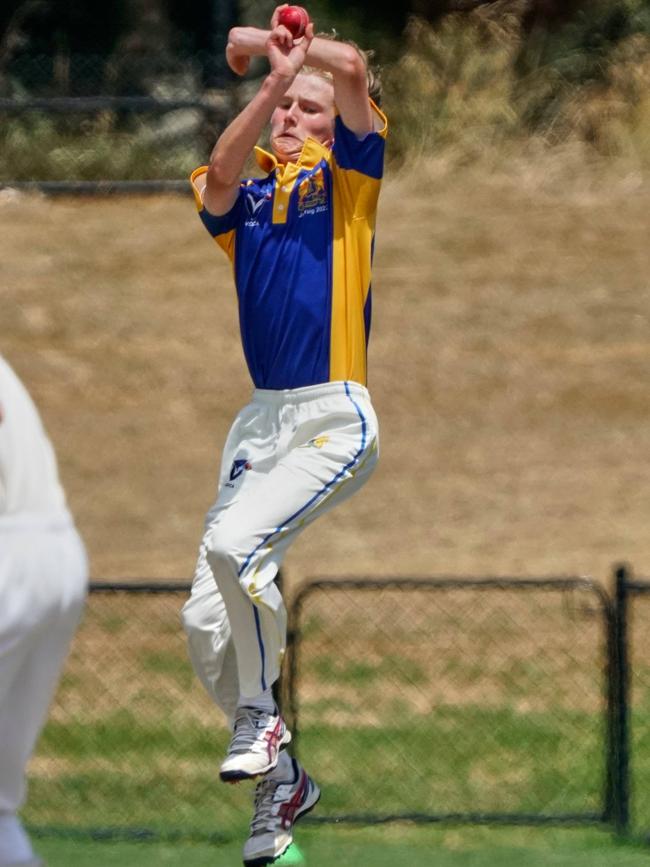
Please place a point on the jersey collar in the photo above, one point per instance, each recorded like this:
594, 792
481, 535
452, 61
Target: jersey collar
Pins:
311, 154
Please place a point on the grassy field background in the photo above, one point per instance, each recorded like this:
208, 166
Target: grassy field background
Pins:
461, 712
509, 363
467, 704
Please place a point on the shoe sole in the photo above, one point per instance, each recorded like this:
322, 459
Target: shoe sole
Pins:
237, 775
263, 860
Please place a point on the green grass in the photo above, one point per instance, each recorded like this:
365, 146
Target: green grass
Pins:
171, 664
388, 730
362, 673
119, 772
97, 150
126, 771
390, 846
465, 759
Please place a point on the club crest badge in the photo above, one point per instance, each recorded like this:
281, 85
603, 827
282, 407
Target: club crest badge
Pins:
312, 194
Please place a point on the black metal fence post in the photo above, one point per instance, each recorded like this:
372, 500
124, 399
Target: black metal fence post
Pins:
618, 796
611, 719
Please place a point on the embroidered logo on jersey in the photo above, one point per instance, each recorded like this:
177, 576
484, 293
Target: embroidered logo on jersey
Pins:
254, 205
312, 195
238, 467
317, 442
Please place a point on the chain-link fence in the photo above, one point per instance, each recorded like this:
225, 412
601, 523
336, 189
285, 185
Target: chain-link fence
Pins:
139, 115
158, 130
477, 701
133, 742
473, 700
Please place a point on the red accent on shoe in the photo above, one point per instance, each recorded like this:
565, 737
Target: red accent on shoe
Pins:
273, 737
288, 811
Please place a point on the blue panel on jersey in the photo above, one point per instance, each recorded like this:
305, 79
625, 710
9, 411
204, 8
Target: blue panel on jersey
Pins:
363, 155
283, 275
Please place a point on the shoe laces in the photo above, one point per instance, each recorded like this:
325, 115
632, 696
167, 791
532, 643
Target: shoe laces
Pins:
264, 817
249, 724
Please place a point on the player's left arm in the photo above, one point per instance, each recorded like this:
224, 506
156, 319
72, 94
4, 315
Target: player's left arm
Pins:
350, 78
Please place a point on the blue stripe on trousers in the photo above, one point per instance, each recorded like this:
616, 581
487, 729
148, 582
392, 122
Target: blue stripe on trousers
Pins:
312, 500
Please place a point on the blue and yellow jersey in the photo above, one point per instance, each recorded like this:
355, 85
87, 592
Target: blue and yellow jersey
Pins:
301, 240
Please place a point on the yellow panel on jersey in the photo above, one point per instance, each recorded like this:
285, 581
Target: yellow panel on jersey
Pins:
225, 240
351, 264
356, 191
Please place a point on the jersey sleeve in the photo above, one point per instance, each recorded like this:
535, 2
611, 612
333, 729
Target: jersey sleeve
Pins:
358, 165
224, 227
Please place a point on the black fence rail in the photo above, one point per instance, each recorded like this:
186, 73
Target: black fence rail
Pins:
442, 700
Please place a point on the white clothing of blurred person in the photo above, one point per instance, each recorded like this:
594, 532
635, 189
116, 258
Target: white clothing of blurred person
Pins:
43, 582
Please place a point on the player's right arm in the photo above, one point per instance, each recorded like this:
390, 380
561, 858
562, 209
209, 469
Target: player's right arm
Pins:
231, 151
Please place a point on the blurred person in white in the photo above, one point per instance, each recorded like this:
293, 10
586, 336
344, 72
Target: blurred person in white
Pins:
43, 582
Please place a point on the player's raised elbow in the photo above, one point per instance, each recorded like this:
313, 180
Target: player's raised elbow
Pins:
235, 36
351, 65
220, 191
221, 173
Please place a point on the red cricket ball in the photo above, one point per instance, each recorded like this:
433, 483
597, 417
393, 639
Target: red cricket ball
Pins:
295, 19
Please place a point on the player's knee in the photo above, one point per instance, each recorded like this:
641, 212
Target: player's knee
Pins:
205, 622
222, 549
194, 616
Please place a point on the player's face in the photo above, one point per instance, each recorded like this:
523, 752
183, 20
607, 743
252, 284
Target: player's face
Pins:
306, 109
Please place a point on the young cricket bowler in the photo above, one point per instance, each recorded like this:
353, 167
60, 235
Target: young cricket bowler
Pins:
300, 239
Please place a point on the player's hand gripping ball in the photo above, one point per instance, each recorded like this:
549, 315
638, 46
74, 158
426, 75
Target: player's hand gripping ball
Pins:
295, 19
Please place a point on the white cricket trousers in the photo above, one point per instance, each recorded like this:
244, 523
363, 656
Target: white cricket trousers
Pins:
290, 456
43, 580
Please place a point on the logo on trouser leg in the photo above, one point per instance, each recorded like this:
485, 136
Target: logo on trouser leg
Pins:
238, 467
317, 442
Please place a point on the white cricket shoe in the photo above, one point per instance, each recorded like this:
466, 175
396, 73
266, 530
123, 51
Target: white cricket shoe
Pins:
278, 806
255, 744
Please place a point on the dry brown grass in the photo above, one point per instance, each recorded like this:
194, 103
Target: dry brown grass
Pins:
509, 366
